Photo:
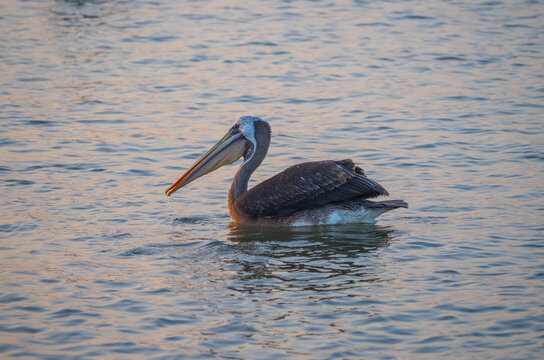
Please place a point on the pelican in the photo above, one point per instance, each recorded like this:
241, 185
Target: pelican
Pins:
311, 193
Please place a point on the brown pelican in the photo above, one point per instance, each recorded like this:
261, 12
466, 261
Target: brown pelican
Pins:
311, 193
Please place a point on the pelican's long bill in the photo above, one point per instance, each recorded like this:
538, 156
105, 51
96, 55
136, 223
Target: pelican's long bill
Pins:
229, 149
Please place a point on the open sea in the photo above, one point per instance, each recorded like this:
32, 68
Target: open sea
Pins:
103, 104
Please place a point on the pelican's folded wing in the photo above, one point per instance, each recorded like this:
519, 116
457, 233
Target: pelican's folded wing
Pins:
308, 185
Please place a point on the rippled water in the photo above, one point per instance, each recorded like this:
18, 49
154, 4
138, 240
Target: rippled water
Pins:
104, 103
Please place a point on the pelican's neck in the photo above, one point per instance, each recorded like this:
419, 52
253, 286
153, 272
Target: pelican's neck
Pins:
252, 160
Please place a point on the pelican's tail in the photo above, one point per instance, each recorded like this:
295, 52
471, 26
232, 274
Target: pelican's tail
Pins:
380, 206
369, 210
388, 204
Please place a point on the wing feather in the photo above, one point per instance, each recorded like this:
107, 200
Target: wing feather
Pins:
308, 185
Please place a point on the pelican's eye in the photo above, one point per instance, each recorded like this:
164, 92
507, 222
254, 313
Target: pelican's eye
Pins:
235, 129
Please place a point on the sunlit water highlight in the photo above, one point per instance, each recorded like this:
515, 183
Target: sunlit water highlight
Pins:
104, 103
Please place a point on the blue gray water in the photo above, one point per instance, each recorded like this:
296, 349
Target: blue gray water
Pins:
103, 104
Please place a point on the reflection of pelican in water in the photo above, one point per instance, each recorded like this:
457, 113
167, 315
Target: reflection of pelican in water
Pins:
316, 258
319, 192
348, 239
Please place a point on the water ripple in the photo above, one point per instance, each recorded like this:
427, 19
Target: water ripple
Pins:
104, 104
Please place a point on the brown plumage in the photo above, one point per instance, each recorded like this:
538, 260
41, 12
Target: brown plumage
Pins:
307, 186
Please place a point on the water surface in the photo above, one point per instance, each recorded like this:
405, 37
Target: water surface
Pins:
104, 103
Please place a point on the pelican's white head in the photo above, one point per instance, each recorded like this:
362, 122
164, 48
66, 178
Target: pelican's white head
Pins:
246, 124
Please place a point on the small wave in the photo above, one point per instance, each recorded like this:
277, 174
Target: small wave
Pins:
192, 220
424, 219
20, 329
15, 182
374, 24
257, 43
449, 58
417, 17
40, 122
32, 79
